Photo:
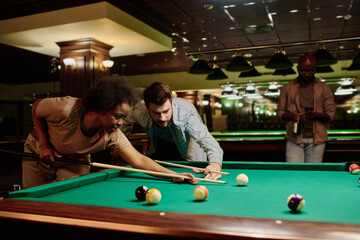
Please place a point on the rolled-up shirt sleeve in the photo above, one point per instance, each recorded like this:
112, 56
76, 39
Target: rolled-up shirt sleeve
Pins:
199, 132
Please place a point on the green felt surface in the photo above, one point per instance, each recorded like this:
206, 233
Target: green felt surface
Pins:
331, 193
333, 134
282, 132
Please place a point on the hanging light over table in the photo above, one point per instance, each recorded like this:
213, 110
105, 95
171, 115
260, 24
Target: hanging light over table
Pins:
200, 67
346, 87
354, 67
279, 60
287, 71
322, 56
273, 90
324, 69
252, 73
217, 73
251, 91
238, 64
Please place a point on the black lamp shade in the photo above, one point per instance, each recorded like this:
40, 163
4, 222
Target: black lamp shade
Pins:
238, 64
324, 69
354, 67
218, 74
279, 61
252, 73
287, 71
324, 58
357, 59
200, 67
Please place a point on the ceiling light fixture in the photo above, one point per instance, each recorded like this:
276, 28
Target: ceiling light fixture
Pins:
346, 87
238, 64
251, 73
324, 69
218, 74
200, 67
273, 90
252, 92
322, 56
354, 67
284, 72
279, 60
228, 90
230, 6
357, 58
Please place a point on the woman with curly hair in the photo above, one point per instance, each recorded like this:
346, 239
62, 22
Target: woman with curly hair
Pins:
75, 128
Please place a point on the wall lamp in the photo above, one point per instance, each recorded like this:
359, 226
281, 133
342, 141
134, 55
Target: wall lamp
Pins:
70, 62
106, 64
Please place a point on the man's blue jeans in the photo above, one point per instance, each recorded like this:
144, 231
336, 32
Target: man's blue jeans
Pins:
306, 151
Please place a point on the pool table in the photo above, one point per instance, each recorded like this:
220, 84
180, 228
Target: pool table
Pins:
271, 145
332, 133
104, 204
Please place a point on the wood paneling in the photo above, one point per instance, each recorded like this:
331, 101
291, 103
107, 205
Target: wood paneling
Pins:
88, 54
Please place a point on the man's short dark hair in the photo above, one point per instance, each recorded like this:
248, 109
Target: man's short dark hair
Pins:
109, 92
157, 93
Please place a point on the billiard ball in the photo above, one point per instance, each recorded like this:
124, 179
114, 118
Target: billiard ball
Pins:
354, 168
140, 193
153, 196
201, 193
242, 179
295, 202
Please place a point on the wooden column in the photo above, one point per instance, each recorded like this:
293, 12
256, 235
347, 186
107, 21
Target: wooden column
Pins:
192, 96
88, 54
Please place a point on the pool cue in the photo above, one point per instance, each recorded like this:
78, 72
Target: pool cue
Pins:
102, 165
161, 174
190, 167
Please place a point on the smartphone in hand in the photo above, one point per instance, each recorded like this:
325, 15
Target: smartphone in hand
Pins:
308, 109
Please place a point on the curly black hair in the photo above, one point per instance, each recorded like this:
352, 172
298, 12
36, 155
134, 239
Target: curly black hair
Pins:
109, 92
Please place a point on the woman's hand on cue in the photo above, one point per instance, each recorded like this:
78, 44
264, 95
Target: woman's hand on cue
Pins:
47, 153
192, 180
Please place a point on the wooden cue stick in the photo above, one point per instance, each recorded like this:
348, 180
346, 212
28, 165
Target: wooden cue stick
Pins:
101, 165
161, 174
190, 167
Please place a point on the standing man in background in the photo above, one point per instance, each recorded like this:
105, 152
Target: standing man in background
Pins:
310, 103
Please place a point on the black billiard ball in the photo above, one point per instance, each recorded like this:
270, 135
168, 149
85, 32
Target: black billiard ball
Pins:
140, 193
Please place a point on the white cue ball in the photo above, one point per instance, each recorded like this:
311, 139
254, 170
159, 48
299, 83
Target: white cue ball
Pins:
242, 179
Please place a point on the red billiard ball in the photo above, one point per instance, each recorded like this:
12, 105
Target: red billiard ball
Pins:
354, 168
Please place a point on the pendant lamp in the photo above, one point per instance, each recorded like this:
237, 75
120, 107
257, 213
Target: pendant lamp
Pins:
238, 64
217, 73
323, 57
200, 67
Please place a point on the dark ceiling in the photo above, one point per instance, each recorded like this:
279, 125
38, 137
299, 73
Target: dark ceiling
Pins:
211, 25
